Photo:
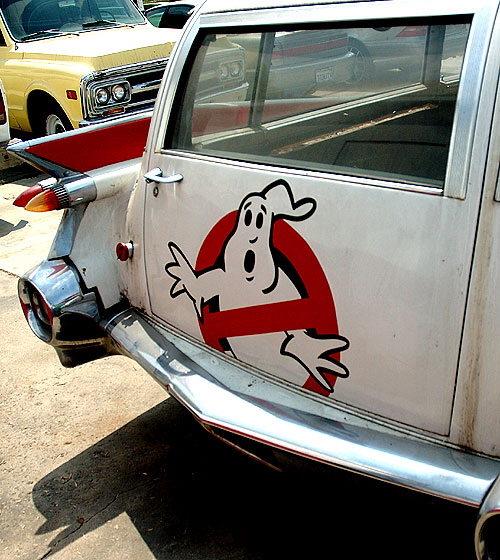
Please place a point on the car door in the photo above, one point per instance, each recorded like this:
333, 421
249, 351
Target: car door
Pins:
318, 228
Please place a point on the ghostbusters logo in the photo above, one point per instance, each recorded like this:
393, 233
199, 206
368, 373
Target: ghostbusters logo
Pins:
256, 276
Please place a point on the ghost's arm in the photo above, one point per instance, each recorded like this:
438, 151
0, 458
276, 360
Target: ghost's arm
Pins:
199, 287
315, 355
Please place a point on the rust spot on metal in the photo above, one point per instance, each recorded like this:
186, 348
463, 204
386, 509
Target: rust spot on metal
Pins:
355, 128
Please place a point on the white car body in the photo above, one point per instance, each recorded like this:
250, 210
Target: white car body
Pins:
316, 273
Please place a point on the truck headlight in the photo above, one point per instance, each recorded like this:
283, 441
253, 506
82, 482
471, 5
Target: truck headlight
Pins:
224, 71
235, 69
119, 92
102, 96
231, 70
106, 96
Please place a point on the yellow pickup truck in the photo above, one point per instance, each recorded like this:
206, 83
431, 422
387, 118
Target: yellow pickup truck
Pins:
69, 63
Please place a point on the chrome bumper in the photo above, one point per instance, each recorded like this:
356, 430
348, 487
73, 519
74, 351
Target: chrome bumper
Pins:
223, 395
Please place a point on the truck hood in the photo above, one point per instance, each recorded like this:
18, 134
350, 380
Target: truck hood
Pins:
104, 48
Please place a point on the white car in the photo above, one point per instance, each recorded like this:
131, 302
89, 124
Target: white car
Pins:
4, 118
312, 265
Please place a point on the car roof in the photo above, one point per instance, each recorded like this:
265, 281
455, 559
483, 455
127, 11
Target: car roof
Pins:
223, 6
218, 6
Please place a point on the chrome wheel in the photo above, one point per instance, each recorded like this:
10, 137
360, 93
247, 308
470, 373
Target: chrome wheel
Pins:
362, 67
54, 124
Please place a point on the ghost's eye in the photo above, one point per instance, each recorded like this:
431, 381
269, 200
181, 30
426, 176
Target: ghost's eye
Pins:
248, 217
259, 221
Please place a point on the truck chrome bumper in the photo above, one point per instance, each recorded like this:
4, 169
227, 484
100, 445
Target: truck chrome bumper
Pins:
223, 395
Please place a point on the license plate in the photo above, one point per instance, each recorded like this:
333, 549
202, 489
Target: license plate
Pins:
324, 75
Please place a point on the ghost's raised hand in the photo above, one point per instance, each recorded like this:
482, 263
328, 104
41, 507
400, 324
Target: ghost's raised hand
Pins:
314, 354
185, 277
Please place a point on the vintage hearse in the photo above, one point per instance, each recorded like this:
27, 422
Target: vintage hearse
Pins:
311, 268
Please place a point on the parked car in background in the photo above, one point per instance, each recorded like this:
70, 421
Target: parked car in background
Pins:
311, 267
395, 53
173, 15
302, 62
70, 63
4, 118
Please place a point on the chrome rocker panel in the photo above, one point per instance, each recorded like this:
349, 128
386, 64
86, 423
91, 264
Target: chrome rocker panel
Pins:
220, 394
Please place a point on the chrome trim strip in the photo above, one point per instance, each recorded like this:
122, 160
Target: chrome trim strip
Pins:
346, 179
221, 393
79, 191
146, 86
138, 113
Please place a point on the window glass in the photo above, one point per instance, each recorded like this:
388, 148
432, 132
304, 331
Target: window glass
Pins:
376, 102
30, 20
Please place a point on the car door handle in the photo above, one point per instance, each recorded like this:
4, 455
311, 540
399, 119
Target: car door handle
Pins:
156, 176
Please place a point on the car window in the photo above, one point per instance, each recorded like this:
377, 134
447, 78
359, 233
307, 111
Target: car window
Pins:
376, 102
175, 17
39, 19
154, 15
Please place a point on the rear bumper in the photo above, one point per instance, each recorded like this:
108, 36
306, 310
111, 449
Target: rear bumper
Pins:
223, 395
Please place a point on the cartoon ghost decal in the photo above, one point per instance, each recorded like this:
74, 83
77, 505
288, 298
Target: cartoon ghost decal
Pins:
255, 275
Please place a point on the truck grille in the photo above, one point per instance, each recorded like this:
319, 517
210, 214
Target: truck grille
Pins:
138, 85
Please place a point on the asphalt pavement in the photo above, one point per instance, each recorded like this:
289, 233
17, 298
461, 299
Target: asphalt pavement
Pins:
96, 462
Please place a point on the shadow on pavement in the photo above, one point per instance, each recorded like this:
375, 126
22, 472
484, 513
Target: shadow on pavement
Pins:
6, 227
192, 497
17, 173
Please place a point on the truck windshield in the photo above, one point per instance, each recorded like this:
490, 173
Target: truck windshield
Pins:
37, 19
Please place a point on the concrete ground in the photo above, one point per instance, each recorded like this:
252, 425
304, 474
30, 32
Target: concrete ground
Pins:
55, 421
96, 462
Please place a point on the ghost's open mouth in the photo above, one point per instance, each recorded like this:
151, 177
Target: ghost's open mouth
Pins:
254, 240
249, 263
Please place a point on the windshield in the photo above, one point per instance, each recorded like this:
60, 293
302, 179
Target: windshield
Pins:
36, 19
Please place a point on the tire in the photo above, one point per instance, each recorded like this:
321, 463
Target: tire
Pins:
363, 64
51, 119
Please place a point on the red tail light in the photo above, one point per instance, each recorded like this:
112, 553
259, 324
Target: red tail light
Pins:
43, 202
23, 199
416, 31
36, 309
27, 195
51, 194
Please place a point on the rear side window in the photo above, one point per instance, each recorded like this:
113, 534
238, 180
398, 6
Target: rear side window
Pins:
375, 102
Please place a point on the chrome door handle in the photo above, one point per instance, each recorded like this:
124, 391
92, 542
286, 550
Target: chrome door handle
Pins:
156, 176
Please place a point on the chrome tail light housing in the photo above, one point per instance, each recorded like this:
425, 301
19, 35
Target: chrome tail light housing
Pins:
61, 314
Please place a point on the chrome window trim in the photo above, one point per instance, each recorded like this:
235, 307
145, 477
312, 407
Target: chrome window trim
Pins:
494, 148
464, 128
331, 176
472, 82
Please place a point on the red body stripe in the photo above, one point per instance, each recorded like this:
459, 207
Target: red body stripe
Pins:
308, 49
